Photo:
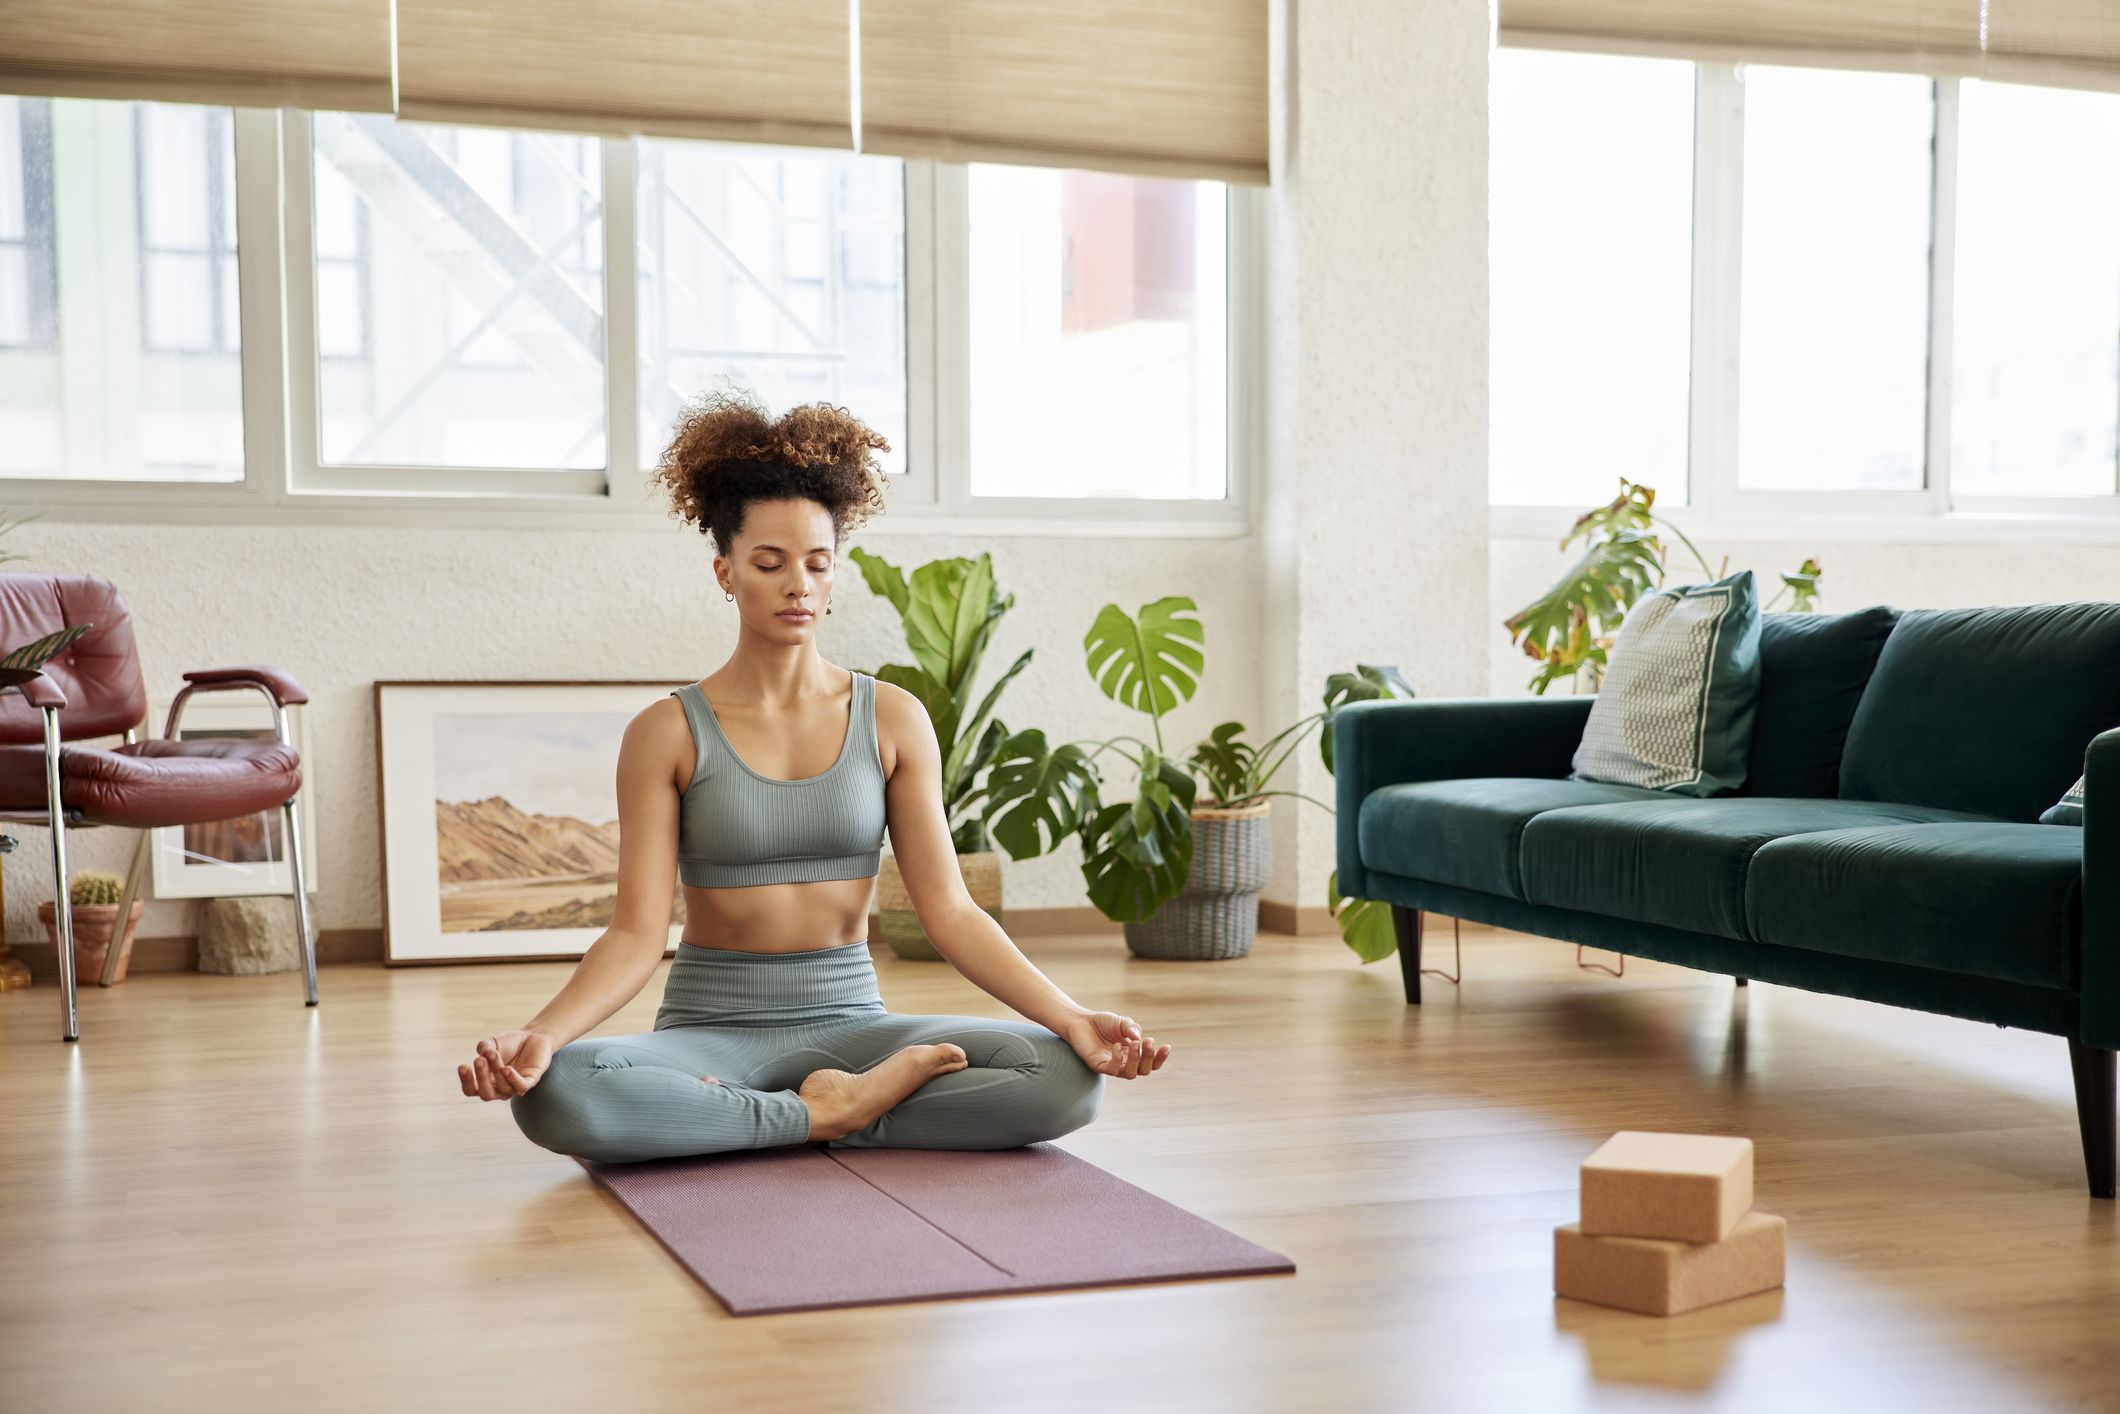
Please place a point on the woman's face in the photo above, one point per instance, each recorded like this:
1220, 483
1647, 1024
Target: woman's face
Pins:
783, 561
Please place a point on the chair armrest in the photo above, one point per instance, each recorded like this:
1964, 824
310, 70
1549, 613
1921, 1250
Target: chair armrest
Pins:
41, 692
284, 689
1386, 742
2101, 890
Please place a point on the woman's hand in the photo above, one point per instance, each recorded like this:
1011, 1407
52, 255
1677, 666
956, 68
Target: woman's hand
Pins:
1111, 1044
508, 1064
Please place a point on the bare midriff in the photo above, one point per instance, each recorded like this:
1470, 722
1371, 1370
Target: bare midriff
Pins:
825, 913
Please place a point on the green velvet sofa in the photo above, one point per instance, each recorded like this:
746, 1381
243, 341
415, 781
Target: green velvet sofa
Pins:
1884, 845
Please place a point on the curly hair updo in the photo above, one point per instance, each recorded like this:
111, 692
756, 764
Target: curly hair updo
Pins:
728, 451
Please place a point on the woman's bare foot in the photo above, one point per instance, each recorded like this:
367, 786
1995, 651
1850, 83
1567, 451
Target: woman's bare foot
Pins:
842, 1102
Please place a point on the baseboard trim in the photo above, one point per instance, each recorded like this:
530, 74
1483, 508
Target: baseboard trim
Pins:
345, 945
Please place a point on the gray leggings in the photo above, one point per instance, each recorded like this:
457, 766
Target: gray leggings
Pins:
759, 1023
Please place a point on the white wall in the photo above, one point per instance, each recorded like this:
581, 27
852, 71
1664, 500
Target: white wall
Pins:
341, 607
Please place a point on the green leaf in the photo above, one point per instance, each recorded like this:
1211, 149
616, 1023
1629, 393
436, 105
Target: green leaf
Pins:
882, 576
1803, 585
952, 613
1229, 764
936, 697
1036, 794
1365, 925
1152, 665
1563, 626
1136, 855
1367, 683
953, 766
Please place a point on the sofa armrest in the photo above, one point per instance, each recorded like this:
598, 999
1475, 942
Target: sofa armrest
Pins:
1387, 741
2101, 891
284, 689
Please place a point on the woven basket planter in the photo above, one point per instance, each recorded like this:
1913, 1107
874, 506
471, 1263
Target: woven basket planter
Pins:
894, 906
1217, 914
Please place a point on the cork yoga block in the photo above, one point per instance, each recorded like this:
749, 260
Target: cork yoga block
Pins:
1658, 1277
1685, 1187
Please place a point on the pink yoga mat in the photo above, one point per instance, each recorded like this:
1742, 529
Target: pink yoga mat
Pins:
805, 1228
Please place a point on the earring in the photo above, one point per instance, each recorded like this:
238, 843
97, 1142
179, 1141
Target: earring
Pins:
730, 597
828, 606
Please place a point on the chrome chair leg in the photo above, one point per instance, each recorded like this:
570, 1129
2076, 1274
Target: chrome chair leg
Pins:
125, 903
64, 905
304, 925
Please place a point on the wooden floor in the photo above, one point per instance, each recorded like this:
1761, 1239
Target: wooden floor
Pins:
219, 1199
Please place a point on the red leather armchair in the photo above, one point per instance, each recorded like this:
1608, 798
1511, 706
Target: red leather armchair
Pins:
93, 688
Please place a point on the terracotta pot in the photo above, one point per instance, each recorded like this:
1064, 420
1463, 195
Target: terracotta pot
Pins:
901, 925
1216, 916
93, 925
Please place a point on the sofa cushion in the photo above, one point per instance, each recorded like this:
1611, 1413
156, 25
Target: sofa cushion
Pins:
1680, 863
1465, 832
1812, 670
1988, 710
1675, 709
1998, 899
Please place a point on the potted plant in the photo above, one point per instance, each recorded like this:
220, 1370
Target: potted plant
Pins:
1180, 874
949, 609
94, 894
1570, 628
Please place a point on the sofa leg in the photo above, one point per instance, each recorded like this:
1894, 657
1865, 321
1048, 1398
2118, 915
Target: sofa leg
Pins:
2094, 1112
1406, 924
1743, 980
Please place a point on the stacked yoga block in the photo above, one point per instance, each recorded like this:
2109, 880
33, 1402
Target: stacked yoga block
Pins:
1667, 1225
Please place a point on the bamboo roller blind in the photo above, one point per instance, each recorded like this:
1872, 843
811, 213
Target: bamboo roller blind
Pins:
774, 71
258, 53
1173, 88
2061, 42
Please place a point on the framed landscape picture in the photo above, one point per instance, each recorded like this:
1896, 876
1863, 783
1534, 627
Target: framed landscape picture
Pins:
246, 855
499, 815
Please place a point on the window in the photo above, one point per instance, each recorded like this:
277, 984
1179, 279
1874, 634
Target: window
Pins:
120, 337
1098, 347
2035, 386
1591, 220
1833, 318
459, 296
782, 272
1904, 291
383, 312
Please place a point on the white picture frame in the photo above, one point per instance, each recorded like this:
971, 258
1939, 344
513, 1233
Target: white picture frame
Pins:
461, 769
243, 856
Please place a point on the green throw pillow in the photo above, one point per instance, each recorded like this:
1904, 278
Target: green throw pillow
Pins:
2069, 809
1676, 708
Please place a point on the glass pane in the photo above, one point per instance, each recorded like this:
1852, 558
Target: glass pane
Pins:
779, 272
1833, 344
463, 323
2035, 384
1099, 335
118, 293
1590, 248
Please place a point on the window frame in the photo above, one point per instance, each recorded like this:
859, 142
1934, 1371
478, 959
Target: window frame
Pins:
1714, 501
283, 481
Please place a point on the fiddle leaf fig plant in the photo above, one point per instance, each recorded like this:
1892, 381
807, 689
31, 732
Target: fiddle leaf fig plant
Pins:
949, 609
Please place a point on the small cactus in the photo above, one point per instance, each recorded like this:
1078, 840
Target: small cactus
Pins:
95, 886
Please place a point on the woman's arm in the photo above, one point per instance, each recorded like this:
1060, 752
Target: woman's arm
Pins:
620, 962
961, 930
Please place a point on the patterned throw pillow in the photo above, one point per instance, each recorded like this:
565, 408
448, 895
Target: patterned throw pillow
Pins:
1676, 708
2069, 809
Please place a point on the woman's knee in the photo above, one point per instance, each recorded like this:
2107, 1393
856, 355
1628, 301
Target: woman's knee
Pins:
1069, 1092
556, 1113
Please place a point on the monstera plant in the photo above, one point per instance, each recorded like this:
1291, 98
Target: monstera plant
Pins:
1570, 628
948, 609
1135, 853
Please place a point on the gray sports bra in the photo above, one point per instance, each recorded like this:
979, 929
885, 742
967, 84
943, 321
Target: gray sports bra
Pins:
736, 827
